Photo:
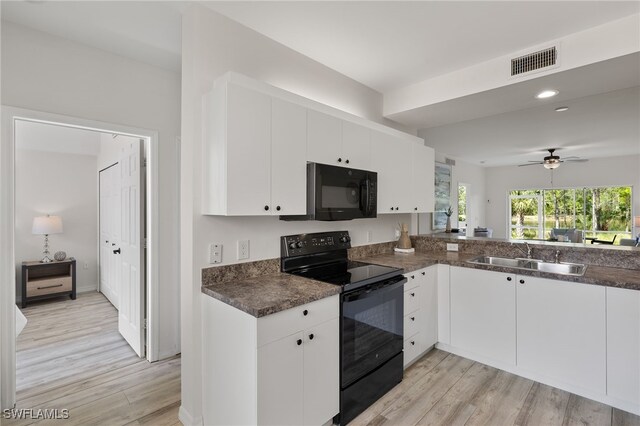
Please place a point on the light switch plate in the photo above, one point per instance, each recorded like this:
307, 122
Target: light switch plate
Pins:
215, 253
452, 247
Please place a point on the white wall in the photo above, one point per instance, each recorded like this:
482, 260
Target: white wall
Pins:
212, 45
474, 177
46, 73
597, 172
64, 185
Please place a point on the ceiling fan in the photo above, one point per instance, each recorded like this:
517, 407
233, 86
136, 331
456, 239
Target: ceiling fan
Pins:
552, 161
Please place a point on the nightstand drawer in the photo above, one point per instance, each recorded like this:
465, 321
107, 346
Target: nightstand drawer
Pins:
48, 286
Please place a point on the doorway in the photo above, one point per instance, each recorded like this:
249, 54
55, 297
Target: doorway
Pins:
143, 306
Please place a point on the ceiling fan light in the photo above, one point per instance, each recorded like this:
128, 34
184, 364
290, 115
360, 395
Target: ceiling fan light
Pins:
562, 109
551, 164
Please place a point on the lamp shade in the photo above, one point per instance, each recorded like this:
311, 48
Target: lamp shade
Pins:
45, 225
636, 221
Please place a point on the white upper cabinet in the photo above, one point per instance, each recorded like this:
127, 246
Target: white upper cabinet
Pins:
423, 178
356, 146
238, 140
288, 158
338, 142
258, 140
391, 158
324, 138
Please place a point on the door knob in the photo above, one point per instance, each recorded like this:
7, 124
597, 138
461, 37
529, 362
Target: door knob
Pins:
116, 251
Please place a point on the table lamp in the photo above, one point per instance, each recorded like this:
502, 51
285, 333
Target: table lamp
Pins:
45, 225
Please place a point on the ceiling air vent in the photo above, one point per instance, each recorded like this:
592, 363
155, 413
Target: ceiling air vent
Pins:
534, 61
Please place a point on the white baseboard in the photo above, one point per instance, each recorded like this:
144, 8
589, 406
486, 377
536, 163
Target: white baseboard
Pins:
541, 378
187, 419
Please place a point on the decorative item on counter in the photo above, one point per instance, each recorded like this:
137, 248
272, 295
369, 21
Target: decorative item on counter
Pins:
60, 256
449, 212
404, 242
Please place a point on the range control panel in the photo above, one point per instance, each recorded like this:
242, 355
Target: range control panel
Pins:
298, 245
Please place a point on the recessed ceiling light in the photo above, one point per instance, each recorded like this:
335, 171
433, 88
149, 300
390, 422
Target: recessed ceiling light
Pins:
560, 109
547, 94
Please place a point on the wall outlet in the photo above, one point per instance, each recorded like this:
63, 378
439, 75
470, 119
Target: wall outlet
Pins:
452, 247
215, 253
243, 249
369, 236
85, 265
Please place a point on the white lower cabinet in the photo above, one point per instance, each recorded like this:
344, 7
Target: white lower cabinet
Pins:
483, 313
561, 331
281, 369
420, 313
623, 346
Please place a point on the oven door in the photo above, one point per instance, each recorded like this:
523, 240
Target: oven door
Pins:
371, 327
339, 193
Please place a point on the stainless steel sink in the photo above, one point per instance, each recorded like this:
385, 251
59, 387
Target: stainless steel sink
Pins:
500, 261
562, 268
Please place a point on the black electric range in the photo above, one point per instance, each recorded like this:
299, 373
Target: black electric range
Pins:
371, 315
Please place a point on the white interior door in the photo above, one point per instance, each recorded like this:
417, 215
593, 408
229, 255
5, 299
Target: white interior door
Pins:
110, 232
131, 250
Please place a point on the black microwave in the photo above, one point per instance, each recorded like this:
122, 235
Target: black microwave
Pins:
339, 193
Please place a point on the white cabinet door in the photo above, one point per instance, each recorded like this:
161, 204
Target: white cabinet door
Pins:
561, 331
423, 178
483, 313
321, 373
280, 381
387, 158
324, 138
623, 344
356, 146
429, 305
444, 304
288, 158
248, 146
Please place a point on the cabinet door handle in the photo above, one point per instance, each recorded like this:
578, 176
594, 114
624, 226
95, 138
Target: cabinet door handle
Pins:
413, 342
397, 208
266, 208
521, 281
299, 342
346, 161
413, 318
49, 286
311, 336
339, 160
278, 208
305, 312
415, 208
391, 208
413, 277
413, 295
424, 273
116, 251
508, 278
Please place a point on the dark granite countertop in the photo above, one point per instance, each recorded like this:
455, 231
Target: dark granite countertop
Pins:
267, 294
598, 275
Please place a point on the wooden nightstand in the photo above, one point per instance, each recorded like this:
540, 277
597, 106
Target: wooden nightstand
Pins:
45, 280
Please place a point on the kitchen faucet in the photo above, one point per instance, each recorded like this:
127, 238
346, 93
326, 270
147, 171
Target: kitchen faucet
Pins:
528, 252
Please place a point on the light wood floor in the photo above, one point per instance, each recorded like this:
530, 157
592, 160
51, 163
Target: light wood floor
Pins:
71, 356
445, 389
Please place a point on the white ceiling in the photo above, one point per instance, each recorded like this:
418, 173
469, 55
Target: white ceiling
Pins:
148, 31
604, 125
35, 136
387, 45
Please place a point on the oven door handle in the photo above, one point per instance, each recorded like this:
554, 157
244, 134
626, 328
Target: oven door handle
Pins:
365, 292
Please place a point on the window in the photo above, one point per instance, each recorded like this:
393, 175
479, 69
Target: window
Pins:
602, 213
462, 206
